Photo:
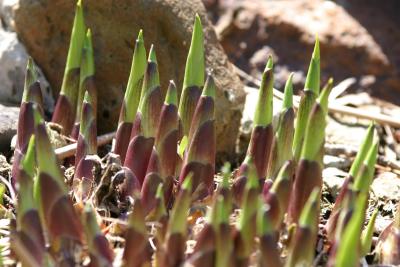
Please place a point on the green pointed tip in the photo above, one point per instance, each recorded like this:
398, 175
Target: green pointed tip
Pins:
77, 39
309, 215
270, 63
152, 54
194, 70
87, 63
288, 94
31, 76
172, 96
365, 145
140, 36
313, 75
187, 183
364, 178
350, 238
209, 87
30, 67
263, 114
372, 155
316, 52
366, 237
324, 96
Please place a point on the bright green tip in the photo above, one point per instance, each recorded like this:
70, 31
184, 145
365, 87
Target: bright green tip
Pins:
194, 70
316, 52
263, 114
209, 87
31, 67
172, 96
140, 36
79, 3
309, 215
288, 94
324, 96
362, 153
364, 178
270, 63
152, 55
370, 160
313, 75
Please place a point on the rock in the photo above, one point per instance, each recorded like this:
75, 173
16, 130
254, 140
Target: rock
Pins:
8, 126
333, 179
6, 13
44, 27
13, 58
386, 186
360, 46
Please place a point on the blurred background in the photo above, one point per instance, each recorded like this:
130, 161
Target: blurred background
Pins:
359, 39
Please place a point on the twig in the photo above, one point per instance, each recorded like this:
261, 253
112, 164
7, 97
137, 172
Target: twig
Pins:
69, 150
335, 108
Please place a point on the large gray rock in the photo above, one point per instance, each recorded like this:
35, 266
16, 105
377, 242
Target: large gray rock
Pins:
13, 58
8, 126
44, 27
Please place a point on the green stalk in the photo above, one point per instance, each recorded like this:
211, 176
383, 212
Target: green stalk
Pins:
366, 144
200, 157
131, 99
27, 242
32, 95
309, 169
65, 110
282, 145
193, 80
57, 214
348, 252
301, 250
366, 237
311, 92
86, 81
137, 250
99, 248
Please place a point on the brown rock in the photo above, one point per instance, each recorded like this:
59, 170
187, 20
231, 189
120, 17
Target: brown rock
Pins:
44, 27
358, 38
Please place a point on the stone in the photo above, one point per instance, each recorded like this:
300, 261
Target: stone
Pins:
8, 126
44, 27
386, 186
352, 43
13, 58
